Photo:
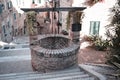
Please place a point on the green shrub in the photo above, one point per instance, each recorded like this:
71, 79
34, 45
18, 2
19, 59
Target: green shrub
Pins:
113, 32
99, 44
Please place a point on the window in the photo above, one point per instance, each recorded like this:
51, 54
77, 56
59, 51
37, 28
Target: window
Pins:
0, 8
17, 2
9, 4
8, 24
57, 3
60, 18
3, 7
14, 15
19, 15
39, 1
94, 27
4, 29
22, 2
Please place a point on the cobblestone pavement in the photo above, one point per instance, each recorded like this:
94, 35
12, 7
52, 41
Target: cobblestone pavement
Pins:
90, 55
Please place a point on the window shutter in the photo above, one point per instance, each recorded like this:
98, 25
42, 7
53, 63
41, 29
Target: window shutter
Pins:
39, 1
14, 15
94, 27
8, 24
10, 4
0, 8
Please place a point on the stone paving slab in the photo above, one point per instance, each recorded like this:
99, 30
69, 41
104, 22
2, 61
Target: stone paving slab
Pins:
15, 58
73, 73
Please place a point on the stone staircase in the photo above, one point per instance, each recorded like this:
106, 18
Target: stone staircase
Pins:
71, 74
18, 67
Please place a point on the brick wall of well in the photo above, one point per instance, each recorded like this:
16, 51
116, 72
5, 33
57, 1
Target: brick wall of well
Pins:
47, 59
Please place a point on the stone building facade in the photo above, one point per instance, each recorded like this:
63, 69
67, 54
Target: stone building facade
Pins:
11, 21
12, 18
6, 20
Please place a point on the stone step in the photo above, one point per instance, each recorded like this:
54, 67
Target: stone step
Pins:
73, 78
27, 73
15, 58
83, 78
67, 74
46, 77
66, 77
14, 52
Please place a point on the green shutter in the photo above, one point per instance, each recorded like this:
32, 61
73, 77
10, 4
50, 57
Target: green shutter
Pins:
94, 27
10, 3
0, 8
14, 15
8, 24
4, 29
39, 1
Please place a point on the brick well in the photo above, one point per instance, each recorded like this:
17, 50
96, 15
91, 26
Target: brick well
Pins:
53, 52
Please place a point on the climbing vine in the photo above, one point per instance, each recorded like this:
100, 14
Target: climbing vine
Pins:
68, 20
31, 19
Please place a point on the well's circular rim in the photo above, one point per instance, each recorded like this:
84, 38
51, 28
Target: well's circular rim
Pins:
67, 49
54, 42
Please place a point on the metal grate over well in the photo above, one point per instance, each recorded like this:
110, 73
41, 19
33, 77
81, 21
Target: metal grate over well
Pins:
54, 42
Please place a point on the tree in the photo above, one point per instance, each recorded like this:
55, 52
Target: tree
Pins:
113, 33
92, 2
